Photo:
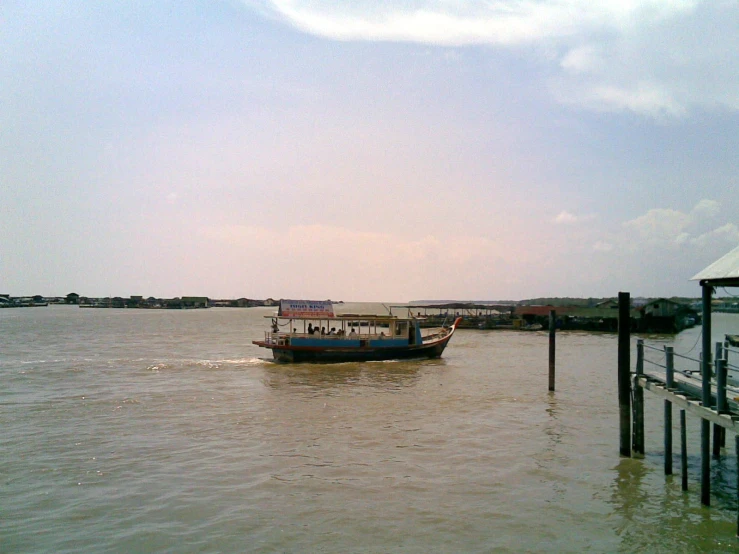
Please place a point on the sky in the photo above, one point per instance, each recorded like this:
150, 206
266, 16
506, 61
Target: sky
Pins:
367, 150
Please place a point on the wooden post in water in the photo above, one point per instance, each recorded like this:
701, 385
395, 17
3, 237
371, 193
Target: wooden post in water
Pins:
552, 344
638, 446
624, 372
718, 431
669, 383
706, 397
723, 369
684, 450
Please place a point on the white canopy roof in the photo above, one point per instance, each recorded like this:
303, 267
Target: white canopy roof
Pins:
726, 267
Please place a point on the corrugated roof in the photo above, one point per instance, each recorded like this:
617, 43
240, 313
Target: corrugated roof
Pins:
726, 267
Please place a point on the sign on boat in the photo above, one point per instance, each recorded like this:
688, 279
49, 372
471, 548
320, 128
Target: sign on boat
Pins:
310, 331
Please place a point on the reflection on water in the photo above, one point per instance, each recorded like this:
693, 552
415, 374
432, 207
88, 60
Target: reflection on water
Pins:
553, 427
628, 495
680, 522
386, 375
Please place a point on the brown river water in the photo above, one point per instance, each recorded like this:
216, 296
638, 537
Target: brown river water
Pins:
168, 431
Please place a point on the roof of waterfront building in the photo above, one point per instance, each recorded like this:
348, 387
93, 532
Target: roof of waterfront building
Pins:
724, 271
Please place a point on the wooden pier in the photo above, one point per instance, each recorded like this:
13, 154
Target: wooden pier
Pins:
708, 391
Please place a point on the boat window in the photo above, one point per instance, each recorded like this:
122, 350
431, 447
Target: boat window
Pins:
401, 328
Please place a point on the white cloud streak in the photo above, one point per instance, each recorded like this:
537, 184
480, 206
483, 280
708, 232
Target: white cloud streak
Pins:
457, 23
660, 58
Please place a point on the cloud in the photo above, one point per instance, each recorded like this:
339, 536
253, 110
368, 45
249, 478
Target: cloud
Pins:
664, 227
657, 251
659, 225
642, 97
369, 248
660, 58
707, 208
664, 67
726, 233
463, 22
566, 218
333, 261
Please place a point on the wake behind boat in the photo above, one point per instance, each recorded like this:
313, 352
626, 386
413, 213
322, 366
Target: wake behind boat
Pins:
309, 331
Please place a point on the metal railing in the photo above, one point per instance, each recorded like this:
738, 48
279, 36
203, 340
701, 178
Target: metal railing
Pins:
724, 375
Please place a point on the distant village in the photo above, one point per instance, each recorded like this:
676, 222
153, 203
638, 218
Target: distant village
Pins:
661, 315
186, 302
647, 315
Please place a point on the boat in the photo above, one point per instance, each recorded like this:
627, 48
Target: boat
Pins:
310, 331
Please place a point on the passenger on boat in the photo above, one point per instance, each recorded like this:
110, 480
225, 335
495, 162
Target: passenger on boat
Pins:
323, 330
310, 328
353, 333
332, 331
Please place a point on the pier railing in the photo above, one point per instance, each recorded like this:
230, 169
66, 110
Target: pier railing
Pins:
683, 372
732, 367
678, 379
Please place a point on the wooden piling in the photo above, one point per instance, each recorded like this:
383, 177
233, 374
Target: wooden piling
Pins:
724, 407
718, 431
552, 347
706, 397
669, 383
705, 462
624, 375
638, 437
668, 437
684, 450
669, 367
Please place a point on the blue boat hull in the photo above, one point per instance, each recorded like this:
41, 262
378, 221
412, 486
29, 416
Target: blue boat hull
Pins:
367, 354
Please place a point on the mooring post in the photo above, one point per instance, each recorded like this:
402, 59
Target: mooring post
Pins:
552, 332
718, 431
669, 383
721, 361
670, 367
705, 462
638, 445
684, 450
706, 396
624, 373
723, 369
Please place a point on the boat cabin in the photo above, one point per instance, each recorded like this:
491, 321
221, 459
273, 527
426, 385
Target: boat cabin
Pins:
350, 330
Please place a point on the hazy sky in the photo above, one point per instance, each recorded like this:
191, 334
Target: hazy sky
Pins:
367, 150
